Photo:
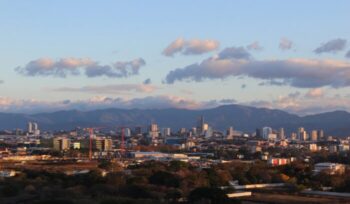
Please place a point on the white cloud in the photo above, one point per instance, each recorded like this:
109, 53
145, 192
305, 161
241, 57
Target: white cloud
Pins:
100, 102
294, 102
190, 47
73, 66
254, 46
302, 73
285, 44
111, 89
315, 93
331, 46
304, 104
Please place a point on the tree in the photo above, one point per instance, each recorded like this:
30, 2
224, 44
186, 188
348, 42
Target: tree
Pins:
165, 178
177, 165
9, 190
213, 195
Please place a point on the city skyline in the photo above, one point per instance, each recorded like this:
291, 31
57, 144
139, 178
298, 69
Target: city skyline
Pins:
191, 55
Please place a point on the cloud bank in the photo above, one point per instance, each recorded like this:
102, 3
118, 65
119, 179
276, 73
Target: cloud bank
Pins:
305, 104
74, 66
301, 73
100, 102
296, 102
111, 89
190, 47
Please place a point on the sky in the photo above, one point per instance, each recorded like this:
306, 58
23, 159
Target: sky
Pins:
85, 55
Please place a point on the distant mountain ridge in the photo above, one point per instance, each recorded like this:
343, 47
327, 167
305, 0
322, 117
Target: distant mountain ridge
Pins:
243, 118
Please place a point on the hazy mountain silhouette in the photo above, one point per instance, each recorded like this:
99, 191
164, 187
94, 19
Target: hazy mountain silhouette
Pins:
243, 118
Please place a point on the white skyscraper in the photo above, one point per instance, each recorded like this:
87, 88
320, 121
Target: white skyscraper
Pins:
30, 127
127, 132
35, 126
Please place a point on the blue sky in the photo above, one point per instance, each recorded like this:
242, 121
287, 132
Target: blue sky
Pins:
107, 32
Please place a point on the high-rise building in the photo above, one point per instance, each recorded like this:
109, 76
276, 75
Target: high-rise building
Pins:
208, 132
293, 136
230, 133
103, 144
320, 135
302, 134
153, 127
30, 127
153, 131
138, 130
127, 132
200, 125
266, 131
258, 132
281, 134
166, 132
314, 135
61, 143
35, 126
194, 131
205, 127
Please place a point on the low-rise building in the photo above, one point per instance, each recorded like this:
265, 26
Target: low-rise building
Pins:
278, 161
330, 168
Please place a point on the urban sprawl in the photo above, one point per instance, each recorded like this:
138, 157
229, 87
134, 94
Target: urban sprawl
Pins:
245, 163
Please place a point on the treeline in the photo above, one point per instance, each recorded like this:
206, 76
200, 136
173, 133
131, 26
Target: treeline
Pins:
159, 182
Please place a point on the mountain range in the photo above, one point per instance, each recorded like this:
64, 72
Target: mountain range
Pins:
243, 118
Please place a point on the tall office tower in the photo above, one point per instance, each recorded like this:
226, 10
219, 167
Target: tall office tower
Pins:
301, 133
30, 127
258, 132
230, 133
138, 130
127, 132
200, 125
153, 127
35, 126
153, 131
304, 136
313, 135
320, 135
281, 134
182, 131
194, 131
36, 130
266, 131
293, 136
166, 132
205, 127
209, 132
